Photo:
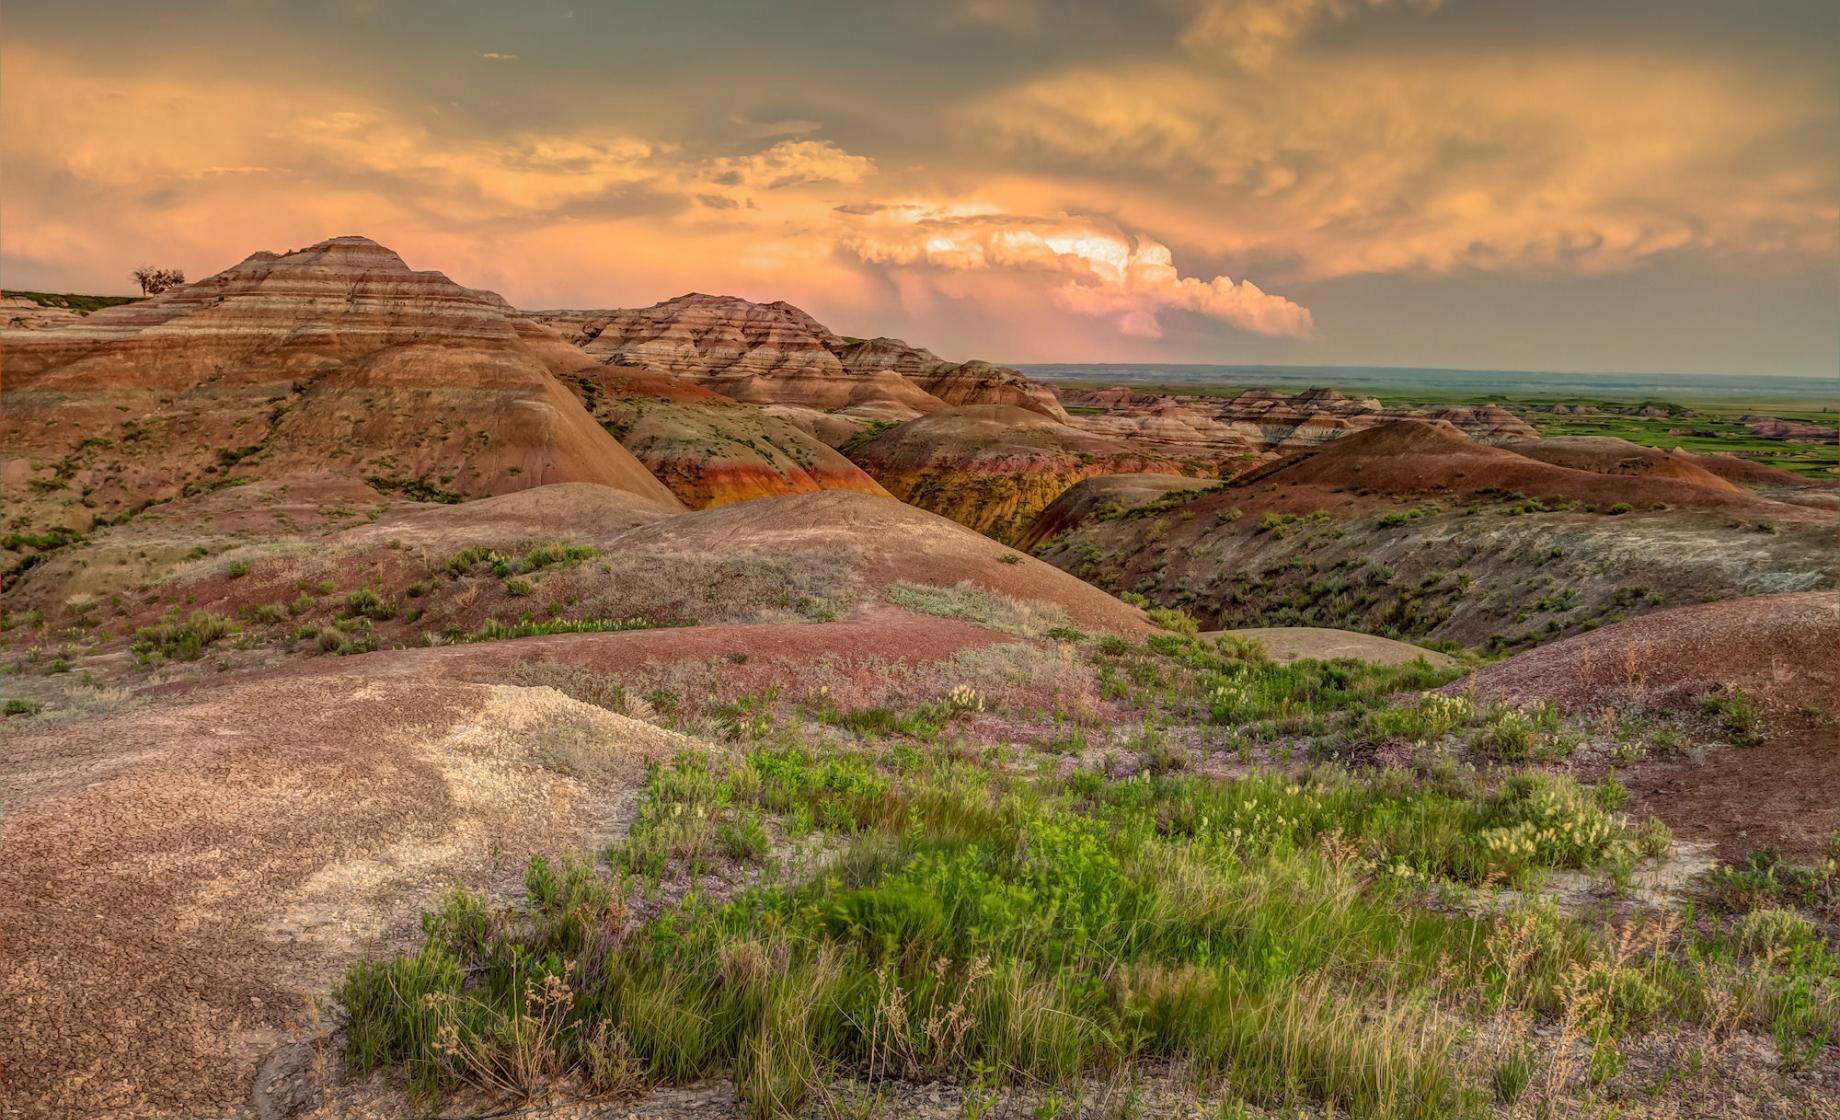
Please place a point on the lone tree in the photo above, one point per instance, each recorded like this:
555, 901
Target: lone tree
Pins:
153, 281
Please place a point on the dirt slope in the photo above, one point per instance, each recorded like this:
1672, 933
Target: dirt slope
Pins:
175, 878
1776, 654
1413, 530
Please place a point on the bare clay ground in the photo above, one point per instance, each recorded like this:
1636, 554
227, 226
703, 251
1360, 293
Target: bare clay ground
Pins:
175, 878
1780, 653
1288, 643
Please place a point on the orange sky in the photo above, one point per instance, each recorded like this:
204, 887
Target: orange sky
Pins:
1312, 181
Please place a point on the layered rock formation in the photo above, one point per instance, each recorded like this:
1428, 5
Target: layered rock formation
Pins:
776, 354
337, 359
20, 314
995, 467
711, 450
1264, 420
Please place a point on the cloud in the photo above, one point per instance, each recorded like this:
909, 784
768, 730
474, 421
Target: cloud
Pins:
791, 163
1102, 271
1018, 16
497, 56
1252, 32
1526, 161
790, 126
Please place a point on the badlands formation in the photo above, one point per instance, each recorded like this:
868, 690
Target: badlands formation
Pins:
414, 706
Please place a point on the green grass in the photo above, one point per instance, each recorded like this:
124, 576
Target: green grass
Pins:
495, 631
1710, 431
1313, 935
1270, 932
72, 301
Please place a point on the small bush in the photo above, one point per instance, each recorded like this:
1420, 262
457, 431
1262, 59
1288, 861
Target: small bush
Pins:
182, 641
367, 603
1737, 715
1174, 619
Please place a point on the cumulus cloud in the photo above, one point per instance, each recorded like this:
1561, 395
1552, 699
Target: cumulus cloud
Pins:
1252, 32
1531, 161
791, 163
1102, 271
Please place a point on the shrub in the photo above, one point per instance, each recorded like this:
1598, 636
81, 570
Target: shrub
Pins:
1737, 716
1173, 619
367, 603
185, 641
1619, 508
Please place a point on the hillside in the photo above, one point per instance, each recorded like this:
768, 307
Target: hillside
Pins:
405, 710
1413, 530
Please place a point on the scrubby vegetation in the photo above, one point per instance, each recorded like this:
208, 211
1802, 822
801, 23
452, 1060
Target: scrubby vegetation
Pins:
1027, 889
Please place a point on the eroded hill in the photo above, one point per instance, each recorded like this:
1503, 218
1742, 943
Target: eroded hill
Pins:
1413, 530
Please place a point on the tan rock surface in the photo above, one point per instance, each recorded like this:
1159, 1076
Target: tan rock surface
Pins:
334, 359
775, 353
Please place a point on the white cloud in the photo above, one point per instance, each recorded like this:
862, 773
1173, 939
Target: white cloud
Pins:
1104, 271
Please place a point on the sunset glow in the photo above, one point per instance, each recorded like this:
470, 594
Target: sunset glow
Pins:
1333, 181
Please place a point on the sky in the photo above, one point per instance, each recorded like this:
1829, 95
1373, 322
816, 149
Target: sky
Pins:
1644, 185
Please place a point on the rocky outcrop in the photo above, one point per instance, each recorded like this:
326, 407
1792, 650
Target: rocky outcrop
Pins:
1173, 427
996, 467
20, 314
710, 450
1262, 420
776, 354
1792, 431
334, 359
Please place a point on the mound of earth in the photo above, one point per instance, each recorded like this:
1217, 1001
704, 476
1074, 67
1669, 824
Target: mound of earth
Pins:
1435, 457
886, 542
1414, 531
774, 353
1608, 455
180, 874
1779, 785
1316, 643
334, 359
1777, 649
996, 467
1106, 495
